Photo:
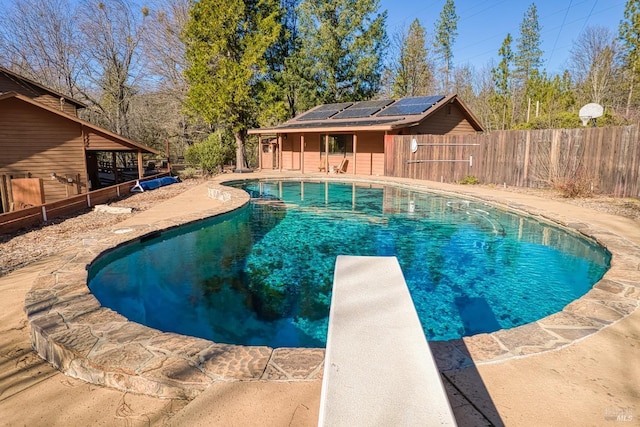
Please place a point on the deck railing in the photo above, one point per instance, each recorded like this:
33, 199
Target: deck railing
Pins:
13, 221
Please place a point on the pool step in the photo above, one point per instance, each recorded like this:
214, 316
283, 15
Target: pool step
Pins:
378, 369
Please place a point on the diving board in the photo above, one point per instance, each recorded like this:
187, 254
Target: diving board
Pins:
379, 370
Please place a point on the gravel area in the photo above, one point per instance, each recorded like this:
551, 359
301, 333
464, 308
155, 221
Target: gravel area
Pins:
20, 249
25, 247
626, 207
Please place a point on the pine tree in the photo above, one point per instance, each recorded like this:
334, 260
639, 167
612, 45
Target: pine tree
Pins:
413, 73
502, 81
446, 33
554, 96
629, 31
527, 61
342, 47
280, 103
226, 42
528, 57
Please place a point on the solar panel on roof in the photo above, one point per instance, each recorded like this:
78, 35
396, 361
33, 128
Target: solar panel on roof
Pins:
411, 106
331, 107
363, 109
331, 123
420, 100
325, 111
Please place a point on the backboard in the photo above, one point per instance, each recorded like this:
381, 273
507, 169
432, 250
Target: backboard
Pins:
590, 111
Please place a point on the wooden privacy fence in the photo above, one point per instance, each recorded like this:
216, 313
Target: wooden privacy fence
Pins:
16, 220
606, 159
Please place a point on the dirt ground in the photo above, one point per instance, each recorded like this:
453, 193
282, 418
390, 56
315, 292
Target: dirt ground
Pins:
25, 247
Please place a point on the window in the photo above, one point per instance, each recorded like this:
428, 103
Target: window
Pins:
339, 144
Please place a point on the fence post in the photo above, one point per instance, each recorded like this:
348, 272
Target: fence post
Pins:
527, 153
4, 193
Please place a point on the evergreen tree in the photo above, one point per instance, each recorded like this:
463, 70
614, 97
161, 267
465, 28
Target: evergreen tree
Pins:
554, 96
528, 57
342, 46
629, 31
225, 47
280, 103
502, 81
412, 74
527, 61
445, 35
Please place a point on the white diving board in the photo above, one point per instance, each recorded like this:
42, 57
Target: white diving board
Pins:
379, 370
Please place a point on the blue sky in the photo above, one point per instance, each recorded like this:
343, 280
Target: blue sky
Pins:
484, 24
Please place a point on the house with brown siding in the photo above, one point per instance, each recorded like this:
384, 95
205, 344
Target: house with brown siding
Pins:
48, 152
12, 82
352, 135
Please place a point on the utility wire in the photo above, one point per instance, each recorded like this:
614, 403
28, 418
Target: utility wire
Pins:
564, 19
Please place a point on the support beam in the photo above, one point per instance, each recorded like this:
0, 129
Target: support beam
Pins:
140, 165
326, 153
355, 152
302, 153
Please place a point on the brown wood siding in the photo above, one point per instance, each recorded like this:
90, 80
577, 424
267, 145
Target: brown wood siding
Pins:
97, 141
311, 153
296, 155
291, 152
377, 164
37, 142
370, 151
448, 120
54, 102
363, 163
8, 84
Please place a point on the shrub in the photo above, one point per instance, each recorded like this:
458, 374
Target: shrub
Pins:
211, 153
575, 185
470, 180
188, 173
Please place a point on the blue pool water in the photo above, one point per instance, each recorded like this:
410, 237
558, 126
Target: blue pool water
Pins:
262, 275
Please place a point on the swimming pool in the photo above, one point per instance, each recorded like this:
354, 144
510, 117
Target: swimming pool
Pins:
262, 275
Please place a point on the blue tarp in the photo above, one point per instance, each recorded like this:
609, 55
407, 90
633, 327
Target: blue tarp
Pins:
152, 184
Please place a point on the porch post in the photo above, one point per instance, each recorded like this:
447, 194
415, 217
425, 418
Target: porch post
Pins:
114, 167
302, 153
355, 151
326, 153
259, 151
280, 152
140, 167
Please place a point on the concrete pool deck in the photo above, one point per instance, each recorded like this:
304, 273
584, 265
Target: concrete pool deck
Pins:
578, 368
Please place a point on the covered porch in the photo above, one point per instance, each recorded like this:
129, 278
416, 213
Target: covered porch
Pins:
333, 151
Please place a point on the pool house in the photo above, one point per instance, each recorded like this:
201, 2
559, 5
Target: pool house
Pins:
353, 137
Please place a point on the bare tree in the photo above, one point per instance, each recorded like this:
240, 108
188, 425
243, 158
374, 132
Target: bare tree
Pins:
111, 37
166, 89
163, 45
39, 39
593, 63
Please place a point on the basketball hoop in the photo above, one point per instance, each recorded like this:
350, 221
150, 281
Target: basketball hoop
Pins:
590, 112
585, 120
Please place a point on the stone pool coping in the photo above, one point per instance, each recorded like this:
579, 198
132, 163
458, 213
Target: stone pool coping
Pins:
84, 340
